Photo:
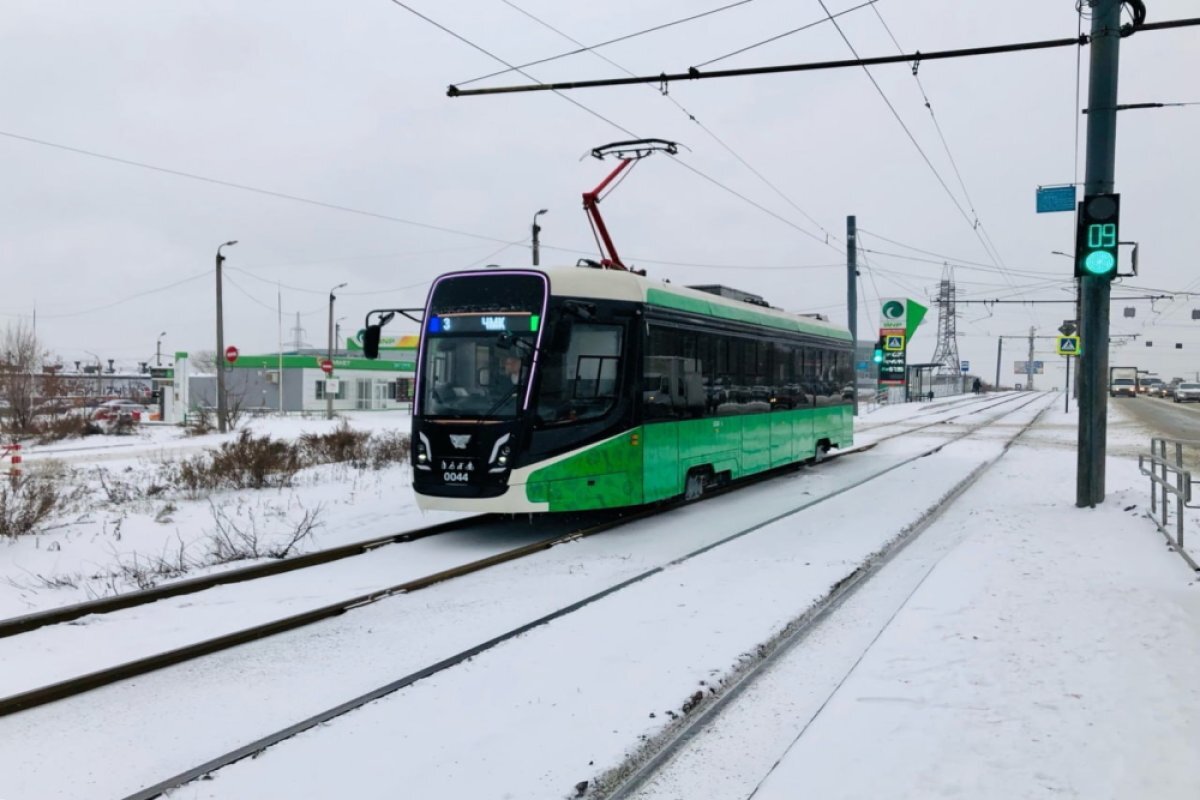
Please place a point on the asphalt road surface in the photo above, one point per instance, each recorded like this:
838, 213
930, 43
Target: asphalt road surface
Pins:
1169, 419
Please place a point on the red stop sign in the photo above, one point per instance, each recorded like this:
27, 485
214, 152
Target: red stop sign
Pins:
326, 366
231, 354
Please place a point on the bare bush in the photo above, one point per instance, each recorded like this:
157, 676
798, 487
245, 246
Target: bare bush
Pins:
26, 503
248, 462
57, 428
199, 422
339, 446
234, 541
146, 572
256, 462
117, 490
387, 448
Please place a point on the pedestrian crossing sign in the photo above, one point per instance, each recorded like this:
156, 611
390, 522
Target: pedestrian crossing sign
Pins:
1068, 345
893, 342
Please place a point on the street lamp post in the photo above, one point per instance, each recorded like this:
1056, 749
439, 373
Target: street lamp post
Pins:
99, 376
536, 230
328, 396
158, 349
220, 359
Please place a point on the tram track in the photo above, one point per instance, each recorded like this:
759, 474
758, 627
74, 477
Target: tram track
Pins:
448, 662
29, 622
626, 780
69, 687
107, 605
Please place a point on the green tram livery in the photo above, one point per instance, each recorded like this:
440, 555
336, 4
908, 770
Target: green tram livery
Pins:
578, 388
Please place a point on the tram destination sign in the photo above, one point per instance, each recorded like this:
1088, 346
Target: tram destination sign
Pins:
484, 323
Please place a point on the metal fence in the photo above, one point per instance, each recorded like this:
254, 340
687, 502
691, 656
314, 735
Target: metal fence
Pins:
1169, 477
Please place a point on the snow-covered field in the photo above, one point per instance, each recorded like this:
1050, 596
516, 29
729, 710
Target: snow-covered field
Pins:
1013, 650
125, 531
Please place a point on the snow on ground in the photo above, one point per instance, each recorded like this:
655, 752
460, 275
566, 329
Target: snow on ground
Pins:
1020, 648
125, 531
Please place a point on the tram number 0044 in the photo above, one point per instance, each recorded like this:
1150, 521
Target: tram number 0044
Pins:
455, 477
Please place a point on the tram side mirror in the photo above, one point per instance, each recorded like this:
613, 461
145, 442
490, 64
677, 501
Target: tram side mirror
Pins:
504, 341
371, 341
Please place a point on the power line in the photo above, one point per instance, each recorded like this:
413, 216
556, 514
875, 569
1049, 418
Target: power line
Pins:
593, 47
692, 117
694, 74
628, 132
785, 34
512, 67
244, 187
973, 219
115, 303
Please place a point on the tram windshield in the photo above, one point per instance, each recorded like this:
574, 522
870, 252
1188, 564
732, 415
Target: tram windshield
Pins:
480, 333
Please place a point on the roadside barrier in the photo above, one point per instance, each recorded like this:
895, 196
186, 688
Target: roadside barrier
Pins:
1168, 476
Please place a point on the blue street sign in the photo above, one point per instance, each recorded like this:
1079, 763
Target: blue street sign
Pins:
1055, 198
966, 366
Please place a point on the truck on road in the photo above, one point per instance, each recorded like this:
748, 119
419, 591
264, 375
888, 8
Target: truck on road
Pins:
1123, 381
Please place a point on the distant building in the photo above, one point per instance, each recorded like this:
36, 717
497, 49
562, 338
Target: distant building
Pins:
294, 382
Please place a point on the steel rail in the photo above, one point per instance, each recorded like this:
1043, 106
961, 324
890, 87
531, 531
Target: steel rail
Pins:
107, 605
262, 743
656, 753
71, 687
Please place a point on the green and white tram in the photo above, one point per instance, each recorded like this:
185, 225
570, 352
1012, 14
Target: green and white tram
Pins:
580, 388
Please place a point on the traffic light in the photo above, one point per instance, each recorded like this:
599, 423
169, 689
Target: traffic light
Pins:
1096, 235
877, 356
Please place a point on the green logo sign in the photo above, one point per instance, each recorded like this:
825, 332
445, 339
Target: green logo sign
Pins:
893, 309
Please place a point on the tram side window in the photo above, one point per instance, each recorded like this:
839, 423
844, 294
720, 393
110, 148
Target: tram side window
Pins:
674, 381
580, 380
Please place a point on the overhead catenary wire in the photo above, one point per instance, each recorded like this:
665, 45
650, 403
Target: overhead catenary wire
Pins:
692, 117
783, 35
592, 48
696, 75
596, 114
973, 222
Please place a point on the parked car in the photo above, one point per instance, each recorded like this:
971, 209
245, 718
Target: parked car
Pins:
1187, 393
117, 409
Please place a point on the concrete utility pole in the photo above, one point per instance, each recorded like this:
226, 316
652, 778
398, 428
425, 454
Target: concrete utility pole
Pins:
328, 396
999, 357
1029, 364
852, 295
220, 359
1094, 291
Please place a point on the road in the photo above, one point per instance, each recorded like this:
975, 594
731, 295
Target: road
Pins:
1170, 419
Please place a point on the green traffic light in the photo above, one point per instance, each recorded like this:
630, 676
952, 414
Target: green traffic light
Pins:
1099, 262
878, 357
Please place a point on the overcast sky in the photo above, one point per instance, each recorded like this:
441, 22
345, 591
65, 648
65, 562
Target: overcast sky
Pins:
344, 103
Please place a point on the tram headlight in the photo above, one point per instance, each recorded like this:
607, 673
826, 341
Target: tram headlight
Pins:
421, 452
502, 458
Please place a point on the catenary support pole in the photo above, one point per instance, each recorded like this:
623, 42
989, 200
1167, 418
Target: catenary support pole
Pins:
852, 295
999, 355
1029, 366
1095, 292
